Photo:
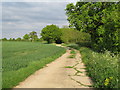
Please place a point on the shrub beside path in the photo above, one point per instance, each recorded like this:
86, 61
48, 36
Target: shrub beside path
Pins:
64, 72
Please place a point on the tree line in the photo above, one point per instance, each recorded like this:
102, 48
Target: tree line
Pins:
54, 34
32, 36
100, 19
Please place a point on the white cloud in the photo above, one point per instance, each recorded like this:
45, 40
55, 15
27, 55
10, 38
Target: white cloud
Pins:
21, 18
40, 1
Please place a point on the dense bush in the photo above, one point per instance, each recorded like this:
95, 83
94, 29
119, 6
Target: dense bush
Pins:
101, 67
70, 35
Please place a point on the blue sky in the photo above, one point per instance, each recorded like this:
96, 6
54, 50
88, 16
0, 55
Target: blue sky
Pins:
19, 18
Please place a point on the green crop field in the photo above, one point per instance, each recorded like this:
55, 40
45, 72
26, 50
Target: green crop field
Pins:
21, 59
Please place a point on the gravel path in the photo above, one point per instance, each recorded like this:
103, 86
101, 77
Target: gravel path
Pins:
64, 72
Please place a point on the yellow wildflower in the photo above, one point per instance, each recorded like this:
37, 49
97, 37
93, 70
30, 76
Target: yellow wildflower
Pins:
107, 81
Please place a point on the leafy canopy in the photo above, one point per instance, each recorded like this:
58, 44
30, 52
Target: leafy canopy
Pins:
26, 37
51, 33
100, 19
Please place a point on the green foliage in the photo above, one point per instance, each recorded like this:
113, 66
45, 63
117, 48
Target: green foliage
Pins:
33, 36
71, 56
12, 39
70, 35
72, 52
4, 39
41, 39
18, 39
21, 59
100, 19
68, 67
26, 37
51, 33
64, 44
75, 46
101, 67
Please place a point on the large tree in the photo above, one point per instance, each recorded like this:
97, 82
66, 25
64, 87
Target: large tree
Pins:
26, 37
33, 36
51, 33
100, 19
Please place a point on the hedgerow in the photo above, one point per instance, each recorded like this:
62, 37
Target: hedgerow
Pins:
101, 67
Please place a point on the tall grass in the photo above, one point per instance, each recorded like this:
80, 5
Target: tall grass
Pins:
101, 67
20, 59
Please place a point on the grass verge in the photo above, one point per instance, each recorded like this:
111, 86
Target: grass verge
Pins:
101, 67
72, 52
71, 56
